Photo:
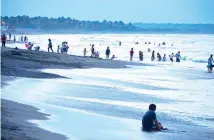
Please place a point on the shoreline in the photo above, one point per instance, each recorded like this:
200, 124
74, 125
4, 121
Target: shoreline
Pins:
15, 125
24, 63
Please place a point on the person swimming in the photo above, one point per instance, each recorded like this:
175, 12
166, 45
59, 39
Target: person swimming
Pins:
150, 122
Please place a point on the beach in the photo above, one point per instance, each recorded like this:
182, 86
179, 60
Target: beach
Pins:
23, 63
92, 98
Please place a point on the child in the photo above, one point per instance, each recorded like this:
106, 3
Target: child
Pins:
84, 51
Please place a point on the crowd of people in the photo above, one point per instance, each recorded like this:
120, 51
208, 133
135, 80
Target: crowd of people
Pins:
63, 49
4, 39
159, 58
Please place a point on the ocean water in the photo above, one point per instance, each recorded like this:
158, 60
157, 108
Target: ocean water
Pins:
109, 104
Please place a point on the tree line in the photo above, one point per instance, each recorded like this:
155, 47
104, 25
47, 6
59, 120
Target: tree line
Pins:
65, 23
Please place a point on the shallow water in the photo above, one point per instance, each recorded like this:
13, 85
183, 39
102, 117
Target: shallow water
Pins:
109, 103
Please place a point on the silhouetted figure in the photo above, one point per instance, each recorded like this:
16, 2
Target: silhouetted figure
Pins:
50, 45
107, 53
113, 57
164, 57
159, 57
21, 38
25, 39
153, 56
84, 52
171, 57
120, 43
10, 36
92, 51
14, 39
140, 56
131, 54
3, 40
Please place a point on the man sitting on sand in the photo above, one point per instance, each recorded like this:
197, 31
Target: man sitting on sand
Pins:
150, 122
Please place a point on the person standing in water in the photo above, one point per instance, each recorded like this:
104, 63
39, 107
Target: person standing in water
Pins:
14, 39
140, 56
84, 51
210, 63
3, 40
131, 54
10, 36
25, 39
120, 43
92, 51
178, 57
153, 56
107, 53
171, 57
150, 122
159, 57
21, 38
164, 57
50, 45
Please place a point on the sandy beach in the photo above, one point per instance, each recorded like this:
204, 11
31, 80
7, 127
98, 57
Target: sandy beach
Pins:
23, 63
14, 125
104, 96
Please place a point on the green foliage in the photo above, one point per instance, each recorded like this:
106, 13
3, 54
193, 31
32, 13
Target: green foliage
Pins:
65, 23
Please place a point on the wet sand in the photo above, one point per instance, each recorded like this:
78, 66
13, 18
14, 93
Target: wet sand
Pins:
24, 63
14, 125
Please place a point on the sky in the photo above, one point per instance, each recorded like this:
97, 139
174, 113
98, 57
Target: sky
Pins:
146, 11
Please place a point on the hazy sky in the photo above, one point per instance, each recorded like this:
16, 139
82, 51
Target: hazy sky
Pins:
152, 11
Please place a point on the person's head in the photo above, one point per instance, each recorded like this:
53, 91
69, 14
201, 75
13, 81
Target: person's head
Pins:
108, 47
49, 39
152, 107
131, 48
211, 56
58, 46
153, 51
164, 54
178, 51
172, 53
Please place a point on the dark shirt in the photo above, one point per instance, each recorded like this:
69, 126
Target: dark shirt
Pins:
148, 120
107, 51
50, 44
